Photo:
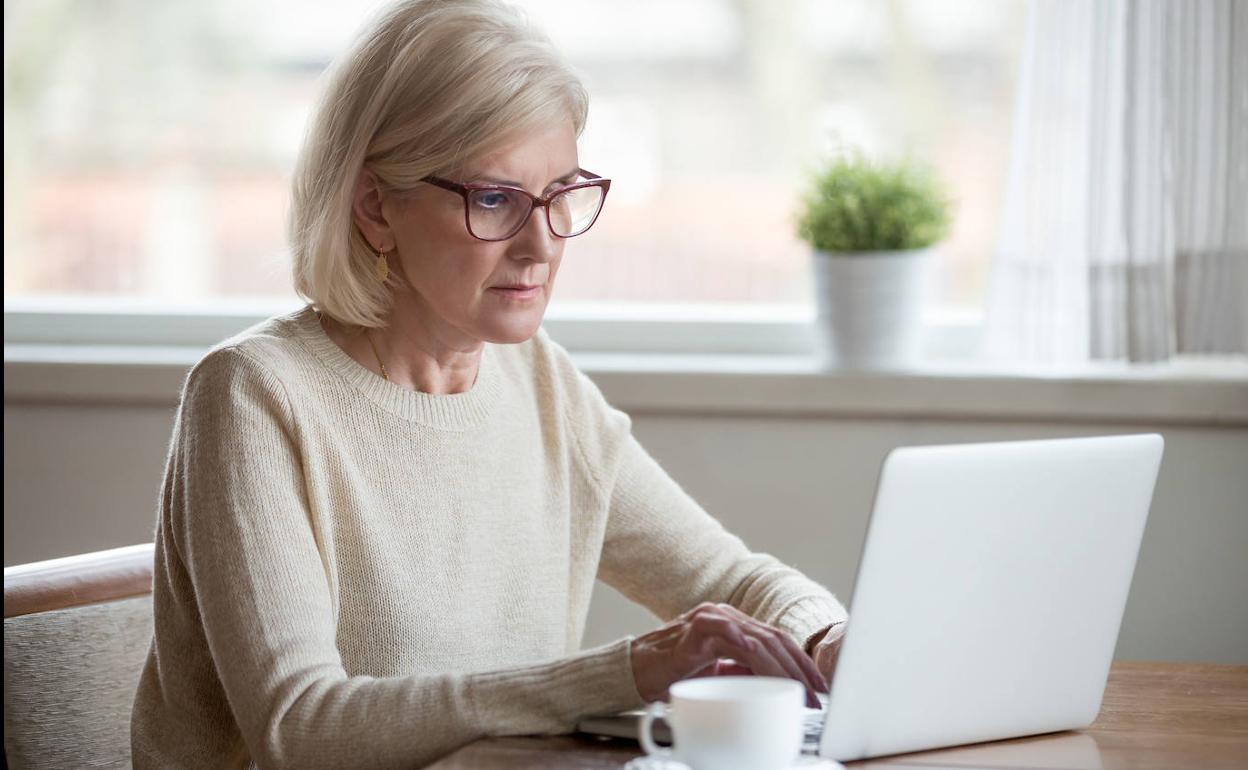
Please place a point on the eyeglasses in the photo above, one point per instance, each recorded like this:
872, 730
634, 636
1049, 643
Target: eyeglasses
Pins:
496, 212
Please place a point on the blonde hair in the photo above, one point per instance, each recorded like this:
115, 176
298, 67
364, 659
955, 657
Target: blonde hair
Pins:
427, 86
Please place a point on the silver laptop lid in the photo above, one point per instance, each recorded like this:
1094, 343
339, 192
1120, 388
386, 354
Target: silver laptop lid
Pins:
990, 592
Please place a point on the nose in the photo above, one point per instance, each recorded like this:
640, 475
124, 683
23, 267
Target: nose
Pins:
535, 239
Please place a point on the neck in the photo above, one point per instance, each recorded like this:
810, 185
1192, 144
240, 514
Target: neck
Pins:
414, 354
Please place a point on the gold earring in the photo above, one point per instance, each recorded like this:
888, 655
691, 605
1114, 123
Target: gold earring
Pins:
381, 267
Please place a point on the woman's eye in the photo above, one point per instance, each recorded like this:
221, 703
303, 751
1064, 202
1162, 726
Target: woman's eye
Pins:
492, 200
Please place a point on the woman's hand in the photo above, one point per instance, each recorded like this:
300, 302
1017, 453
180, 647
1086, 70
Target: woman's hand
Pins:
693, 644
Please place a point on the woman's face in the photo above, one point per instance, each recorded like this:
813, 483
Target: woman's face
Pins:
452, 275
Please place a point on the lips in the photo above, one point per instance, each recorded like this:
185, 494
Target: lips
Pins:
519, 286
526, 294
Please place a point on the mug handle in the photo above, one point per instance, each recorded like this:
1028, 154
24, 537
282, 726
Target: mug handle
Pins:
656, 710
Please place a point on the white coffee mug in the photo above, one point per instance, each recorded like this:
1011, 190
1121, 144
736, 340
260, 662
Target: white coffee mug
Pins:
730, 723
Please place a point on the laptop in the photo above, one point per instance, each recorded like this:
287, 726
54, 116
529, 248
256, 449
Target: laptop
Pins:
989, 595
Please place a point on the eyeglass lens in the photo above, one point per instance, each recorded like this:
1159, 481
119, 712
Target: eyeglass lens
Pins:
498, 213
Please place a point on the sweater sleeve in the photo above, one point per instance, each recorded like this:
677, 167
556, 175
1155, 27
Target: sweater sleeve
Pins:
662, 550
243, 538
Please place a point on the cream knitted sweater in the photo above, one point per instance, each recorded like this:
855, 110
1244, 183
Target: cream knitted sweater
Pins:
350, 573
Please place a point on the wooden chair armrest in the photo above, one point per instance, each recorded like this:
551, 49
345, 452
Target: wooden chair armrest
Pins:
73, 581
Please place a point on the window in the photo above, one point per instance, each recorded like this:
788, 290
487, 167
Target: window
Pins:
148, 145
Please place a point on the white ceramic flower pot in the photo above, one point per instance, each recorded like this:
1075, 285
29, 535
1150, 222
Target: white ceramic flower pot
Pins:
869, 306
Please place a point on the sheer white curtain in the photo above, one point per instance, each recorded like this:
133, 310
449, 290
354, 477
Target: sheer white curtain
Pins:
1125, 225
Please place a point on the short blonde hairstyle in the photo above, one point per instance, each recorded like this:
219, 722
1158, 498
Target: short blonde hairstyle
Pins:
427, 86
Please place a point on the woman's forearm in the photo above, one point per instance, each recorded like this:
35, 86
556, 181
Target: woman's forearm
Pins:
301, 714
405, 722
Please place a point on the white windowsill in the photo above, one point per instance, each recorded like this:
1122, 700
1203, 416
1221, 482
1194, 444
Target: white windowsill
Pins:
1187, 393
746, 360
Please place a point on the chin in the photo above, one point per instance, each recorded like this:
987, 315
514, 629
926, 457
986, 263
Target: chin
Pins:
513, 331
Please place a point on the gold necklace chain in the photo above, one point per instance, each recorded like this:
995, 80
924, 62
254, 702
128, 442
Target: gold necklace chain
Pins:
374, 347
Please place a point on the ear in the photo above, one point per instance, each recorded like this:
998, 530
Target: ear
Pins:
367, 211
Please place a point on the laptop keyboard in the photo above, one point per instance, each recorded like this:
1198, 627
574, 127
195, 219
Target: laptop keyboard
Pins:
813, 721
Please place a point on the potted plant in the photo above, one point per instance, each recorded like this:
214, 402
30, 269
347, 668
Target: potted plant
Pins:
873, 228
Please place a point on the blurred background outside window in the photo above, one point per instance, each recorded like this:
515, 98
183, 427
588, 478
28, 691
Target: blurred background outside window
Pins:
148, 144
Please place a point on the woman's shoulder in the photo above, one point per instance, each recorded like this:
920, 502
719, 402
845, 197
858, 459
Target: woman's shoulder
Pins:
258, 354
549, 362
275, 338
597, 427
558, 374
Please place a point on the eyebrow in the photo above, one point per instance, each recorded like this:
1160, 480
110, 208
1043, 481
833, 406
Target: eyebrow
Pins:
566, 177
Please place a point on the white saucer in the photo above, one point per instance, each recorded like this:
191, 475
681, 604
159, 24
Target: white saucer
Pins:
657, 763
817, 763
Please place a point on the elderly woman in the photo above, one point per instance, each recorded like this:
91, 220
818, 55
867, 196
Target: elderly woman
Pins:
383, 514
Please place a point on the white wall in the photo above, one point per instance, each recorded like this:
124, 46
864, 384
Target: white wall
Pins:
801, 489
84, 476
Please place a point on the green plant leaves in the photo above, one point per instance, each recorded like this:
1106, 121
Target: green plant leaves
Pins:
855, 205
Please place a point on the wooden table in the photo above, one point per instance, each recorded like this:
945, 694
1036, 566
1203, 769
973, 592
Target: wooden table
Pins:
1155, 716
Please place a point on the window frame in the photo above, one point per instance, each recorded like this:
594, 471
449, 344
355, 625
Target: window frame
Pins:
686, 328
